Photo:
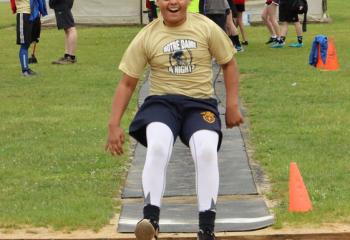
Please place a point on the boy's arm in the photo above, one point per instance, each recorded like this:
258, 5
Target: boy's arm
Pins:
121, 100
231, 77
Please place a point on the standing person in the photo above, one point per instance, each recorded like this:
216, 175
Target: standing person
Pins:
288, 15
240, 6
28, 28
152, 10
269, 17
65, 20
181, 103
231, 28
220, 12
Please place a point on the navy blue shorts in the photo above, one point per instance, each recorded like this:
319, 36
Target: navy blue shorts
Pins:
183, 115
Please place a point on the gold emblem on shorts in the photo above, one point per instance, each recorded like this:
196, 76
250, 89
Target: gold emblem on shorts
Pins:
208, 117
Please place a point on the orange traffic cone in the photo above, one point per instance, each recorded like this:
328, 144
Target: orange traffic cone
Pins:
331, 63
299, 200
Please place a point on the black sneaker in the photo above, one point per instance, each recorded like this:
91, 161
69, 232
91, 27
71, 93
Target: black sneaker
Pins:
146, 230
205, 235
65, 60
271, 40
245, 43
28, 73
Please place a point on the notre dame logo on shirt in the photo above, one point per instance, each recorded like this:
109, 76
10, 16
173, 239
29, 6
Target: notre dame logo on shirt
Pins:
180, 56
208, 116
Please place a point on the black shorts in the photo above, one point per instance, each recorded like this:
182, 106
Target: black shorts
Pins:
183, 115
64, 19
286, 14
234, 11
240, 7
219, 19
27, 31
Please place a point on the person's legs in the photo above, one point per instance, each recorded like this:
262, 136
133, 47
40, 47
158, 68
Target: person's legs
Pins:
298, 29
272, 11
299, 32
241, 26
266, 19
284, 18
24, 28
65, 21
70, 44
23, 57
284, 31
71, 36
160, 140
232, 32
203, 145
201, 132
235, 41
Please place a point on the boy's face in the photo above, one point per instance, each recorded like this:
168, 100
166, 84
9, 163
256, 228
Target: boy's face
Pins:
173, 11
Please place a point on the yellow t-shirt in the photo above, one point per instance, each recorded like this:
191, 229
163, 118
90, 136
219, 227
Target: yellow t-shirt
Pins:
23, 6
179, 57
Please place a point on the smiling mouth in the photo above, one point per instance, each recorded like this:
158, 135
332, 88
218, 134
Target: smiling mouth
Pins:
173, 10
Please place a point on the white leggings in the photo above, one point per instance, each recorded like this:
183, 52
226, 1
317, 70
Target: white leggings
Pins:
203, 145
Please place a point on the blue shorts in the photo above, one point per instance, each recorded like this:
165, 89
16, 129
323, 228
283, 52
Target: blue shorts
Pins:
183, 115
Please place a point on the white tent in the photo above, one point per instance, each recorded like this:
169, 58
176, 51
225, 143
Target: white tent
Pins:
124, 12
105, 12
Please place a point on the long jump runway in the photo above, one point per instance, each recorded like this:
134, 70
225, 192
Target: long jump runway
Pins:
239, 206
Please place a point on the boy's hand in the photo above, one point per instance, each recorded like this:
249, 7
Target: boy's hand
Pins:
115, 140
233, 116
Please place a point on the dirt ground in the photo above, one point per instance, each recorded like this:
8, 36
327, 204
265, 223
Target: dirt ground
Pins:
109, 232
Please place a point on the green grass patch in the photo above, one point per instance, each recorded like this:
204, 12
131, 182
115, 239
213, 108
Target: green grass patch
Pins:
53, 168
298, 113
7, 19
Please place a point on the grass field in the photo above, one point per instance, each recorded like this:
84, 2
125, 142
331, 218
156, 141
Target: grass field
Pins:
53, 168
298, 113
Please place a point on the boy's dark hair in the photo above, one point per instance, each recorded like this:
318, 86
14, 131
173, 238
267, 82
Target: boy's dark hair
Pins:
301, 7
